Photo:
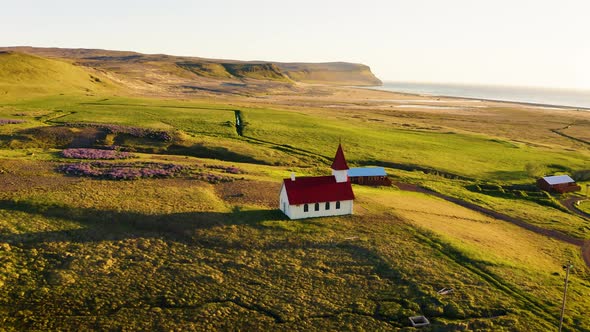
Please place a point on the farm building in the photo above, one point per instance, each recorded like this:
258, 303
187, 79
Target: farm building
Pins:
558, 183
318, 196
369, 176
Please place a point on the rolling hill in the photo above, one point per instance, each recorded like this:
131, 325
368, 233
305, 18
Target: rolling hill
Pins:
22, 73
173, 75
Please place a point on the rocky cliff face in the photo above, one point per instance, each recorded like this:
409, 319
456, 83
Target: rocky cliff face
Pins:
336, 73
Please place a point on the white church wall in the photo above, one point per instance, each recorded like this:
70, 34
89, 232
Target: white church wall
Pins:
298, 211
341, 176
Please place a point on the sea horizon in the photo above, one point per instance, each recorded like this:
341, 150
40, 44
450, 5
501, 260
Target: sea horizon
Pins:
558, 97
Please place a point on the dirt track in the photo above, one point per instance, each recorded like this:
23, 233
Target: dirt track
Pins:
570, 204
584, 245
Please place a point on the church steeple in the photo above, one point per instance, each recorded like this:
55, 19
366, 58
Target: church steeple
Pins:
339, 166
339, 163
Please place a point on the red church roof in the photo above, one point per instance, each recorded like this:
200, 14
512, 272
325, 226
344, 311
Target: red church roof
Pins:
317, 189
339, 163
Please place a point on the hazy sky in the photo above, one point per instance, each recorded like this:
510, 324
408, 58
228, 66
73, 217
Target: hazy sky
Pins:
517, 42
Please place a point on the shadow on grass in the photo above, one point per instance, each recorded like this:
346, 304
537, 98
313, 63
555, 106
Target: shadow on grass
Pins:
213, 152
60, 136
5, 140
292, 150
104, 225
100, 225
508, 175
107, 225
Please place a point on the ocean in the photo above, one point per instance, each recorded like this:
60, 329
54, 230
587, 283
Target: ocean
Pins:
545, 96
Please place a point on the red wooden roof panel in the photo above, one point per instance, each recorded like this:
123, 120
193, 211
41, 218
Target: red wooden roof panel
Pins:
317, 189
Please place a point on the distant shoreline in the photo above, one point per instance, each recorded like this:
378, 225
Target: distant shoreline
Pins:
524, 103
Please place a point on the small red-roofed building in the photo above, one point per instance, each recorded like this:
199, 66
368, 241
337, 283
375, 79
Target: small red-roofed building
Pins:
318, 196
558, 183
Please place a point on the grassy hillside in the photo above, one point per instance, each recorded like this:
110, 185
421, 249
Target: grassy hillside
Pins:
267, 71
455, 163
205, 69
24, 74
366, 142
185, 254
205, 248
229, 70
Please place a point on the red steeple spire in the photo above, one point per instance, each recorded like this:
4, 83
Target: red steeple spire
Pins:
339, 163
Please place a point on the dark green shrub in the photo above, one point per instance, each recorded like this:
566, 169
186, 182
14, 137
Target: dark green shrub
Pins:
390, 310
452, 310
583, 175
432, 310
535, 170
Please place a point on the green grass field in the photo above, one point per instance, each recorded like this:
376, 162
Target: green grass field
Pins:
184, 253
584, 206
480, 157
215, 260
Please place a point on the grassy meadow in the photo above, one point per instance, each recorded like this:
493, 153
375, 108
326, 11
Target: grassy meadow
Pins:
277, 133
191, 253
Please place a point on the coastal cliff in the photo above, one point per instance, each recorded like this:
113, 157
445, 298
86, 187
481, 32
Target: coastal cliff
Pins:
167, 72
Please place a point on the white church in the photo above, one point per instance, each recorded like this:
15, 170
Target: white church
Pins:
318, 196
